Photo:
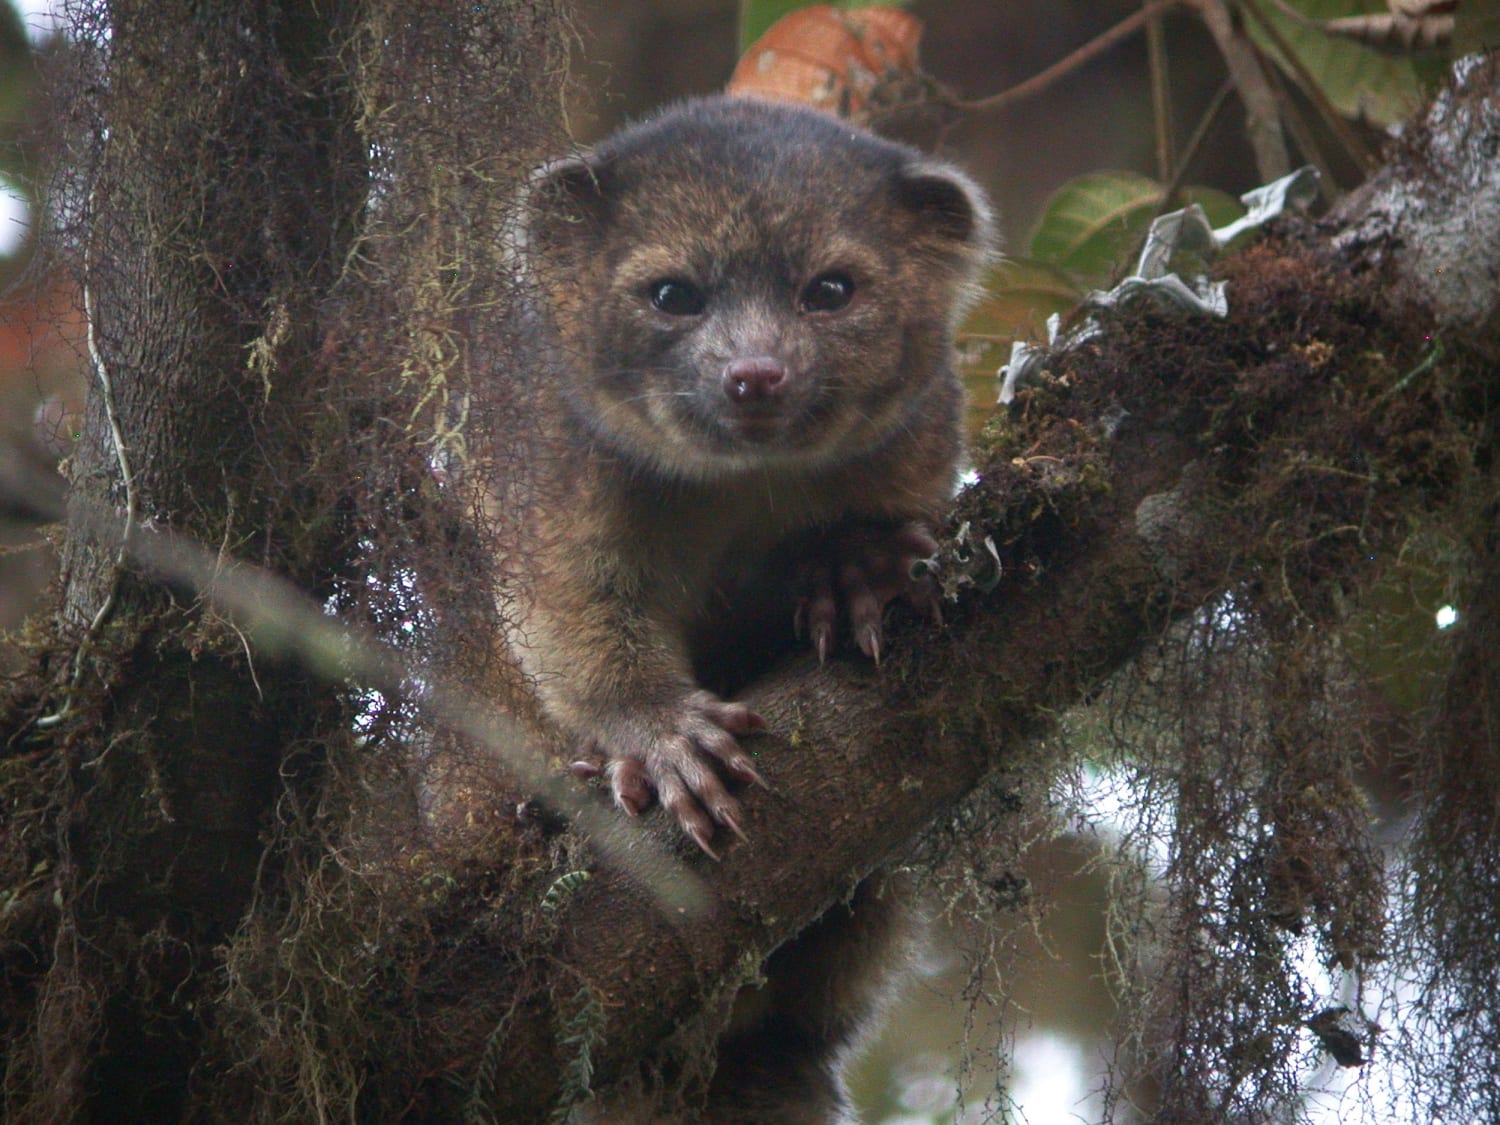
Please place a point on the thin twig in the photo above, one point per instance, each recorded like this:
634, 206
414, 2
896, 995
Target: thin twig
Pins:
1295, 16
1174, 185
127, 477
1262, 113
1097, 46
1161, 97
1200, 134
1302, 134
1358, 151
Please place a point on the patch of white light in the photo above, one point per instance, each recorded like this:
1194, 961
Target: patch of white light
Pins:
1326, 1085
1111, 801
925, 1090
41, 18
401, 591
1447, 616
1052, 1080
1379, 1091
15, 218
1223, 617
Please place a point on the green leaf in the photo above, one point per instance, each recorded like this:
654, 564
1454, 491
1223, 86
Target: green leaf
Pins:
1093, 223
1019, 295
1220, 207
757, 15
1359, 82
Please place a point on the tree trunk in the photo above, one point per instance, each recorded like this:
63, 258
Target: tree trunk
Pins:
216, 185
169, 737
222, 249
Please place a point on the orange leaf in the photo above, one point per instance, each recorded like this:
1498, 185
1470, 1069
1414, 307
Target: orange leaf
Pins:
834, 60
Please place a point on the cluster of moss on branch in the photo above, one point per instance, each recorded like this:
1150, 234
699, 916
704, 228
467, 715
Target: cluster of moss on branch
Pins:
1290, 464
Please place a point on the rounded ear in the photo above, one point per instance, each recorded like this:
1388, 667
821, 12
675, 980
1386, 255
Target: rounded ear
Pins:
948, 205
561, 205
569, 182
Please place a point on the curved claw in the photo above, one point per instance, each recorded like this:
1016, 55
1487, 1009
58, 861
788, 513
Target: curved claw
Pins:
682, 755
700, 837
628, 783
741, 768
727, 819
823, 642
871, 567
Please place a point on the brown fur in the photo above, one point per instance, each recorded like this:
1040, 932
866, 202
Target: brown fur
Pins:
779, 1061
658, 496
751, 451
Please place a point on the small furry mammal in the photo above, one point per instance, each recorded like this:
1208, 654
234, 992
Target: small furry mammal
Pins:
747, 413
749, 389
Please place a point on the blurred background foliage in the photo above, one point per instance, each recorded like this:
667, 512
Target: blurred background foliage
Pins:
1152, 120
41, 370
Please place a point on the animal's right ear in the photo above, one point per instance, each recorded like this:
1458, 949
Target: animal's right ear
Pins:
563, 205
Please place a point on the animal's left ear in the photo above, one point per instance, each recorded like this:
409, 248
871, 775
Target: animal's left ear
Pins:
947, 204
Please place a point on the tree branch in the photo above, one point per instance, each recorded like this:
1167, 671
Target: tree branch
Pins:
1112, 493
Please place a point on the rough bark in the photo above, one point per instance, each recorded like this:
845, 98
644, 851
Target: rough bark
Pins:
1104, 497
167, 766
166, 741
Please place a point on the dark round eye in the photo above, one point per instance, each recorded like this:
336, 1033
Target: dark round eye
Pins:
676, 298
828, 292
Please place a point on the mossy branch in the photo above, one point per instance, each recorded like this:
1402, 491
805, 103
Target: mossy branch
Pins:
1148, 473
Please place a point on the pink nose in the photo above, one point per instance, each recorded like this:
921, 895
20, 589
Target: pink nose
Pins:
753, 379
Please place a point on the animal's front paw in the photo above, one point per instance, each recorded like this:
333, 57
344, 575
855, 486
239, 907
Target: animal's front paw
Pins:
674, 753
868, 567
